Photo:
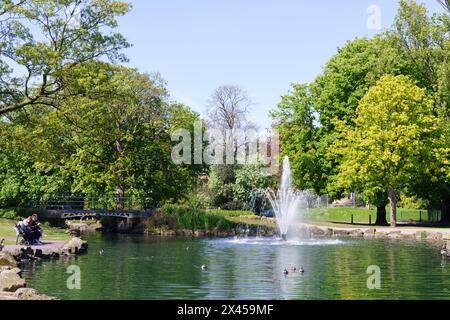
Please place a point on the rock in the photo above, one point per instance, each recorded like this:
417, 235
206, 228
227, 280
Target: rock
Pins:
200, 233
10, 281
74, 246
370, 233
356, 233
435, 236
341, 233
16, 270
381, 235
408, 236
394, 235
7, 260
315, 231
329, 232
30, 294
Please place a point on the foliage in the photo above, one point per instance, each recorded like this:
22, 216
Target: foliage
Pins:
109, 134
249, 177
46, 39
416, 46
392, 141
298, 137
230, 213
194, 219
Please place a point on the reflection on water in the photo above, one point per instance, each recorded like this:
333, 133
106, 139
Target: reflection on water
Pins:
139, 267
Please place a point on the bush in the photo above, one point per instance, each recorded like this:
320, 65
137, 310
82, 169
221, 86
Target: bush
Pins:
8, 213
195, 219
231, 213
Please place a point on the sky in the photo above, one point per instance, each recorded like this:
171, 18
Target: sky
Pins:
260, 45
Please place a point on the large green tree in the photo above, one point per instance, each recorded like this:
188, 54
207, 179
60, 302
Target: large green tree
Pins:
425, 43
109, 134
294, 121
394, 139
41, 40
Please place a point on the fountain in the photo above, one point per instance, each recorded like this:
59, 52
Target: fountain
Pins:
287, 201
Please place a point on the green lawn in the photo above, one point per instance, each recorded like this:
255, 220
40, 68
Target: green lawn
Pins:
7, 232
361, 215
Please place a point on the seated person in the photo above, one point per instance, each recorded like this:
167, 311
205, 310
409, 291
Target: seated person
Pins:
31, 229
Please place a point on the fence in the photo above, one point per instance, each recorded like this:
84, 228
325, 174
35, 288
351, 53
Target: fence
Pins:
91, 201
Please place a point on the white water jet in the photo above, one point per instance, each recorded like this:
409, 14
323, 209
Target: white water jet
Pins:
287, 202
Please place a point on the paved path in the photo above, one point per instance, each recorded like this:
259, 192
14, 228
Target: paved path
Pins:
47, 247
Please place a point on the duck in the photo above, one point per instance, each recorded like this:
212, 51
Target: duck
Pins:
102, 252
204, 267
285, 272
301, 270
2, 244
294, 269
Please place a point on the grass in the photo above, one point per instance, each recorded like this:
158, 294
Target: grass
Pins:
361, 215
7, 232
229, 213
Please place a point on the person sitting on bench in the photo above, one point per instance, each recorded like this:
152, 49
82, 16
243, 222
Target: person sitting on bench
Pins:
31, 229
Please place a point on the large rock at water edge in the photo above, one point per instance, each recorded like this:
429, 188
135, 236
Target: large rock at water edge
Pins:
7, 260
10, 281
75, 246
30, 294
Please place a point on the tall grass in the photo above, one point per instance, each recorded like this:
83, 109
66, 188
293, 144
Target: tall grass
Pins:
195, 219
227, 213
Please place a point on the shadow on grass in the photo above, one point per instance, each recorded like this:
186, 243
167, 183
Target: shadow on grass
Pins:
400, 224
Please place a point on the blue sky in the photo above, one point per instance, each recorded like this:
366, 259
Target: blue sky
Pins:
260, 45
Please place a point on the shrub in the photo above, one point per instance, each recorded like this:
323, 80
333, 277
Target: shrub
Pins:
8, 213
229, 213
195, 219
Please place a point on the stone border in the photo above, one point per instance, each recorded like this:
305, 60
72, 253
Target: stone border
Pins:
12, 285
434, 237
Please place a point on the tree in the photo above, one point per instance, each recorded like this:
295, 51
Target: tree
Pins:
65, 33
227, 115
111, 137
221, 186
424, 41
294, 120
249, 178
227, 121
393, 139
445, 4
306, 115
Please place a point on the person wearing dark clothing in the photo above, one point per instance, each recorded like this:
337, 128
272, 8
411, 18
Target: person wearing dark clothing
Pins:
31, 230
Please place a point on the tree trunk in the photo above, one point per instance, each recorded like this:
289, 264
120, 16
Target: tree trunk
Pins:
445, 218
381, 216
393, 203
120, 196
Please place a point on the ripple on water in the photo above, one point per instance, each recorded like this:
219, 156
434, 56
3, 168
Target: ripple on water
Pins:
253, 241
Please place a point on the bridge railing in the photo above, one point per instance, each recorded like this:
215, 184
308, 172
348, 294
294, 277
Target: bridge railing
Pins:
91, 202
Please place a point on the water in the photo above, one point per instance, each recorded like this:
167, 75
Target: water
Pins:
287, 202
141, 267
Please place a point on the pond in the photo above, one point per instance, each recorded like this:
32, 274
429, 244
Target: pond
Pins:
143, 267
